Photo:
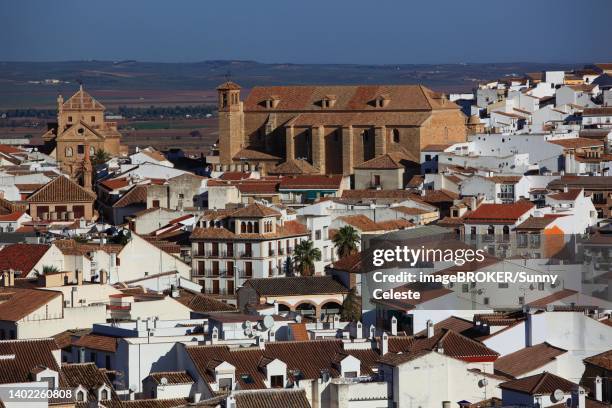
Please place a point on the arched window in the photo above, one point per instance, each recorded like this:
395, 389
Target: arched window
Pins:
80, 396
250, 227
491, 230
506, 230
69, 152
92, 150
396, 136
256, 229
242, 227
104, 395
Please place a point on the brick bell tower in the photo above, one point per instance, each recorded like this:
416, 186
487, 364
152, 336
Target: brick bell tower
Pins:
231, 121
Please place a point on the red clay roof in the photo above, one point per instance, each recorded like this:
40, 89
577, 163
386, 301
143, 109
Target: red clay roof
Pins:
603, 360
577, 142
21, 257
113, 184
267, 398
571, 195
61, 190
299, 331
172, 377
560, 295
314, 181
29, 355
255, 210
18, 303
296, 286
235, 175
294, 167
544, 383
527, 359
14, 216
498, 213
350, 263
97, 342
136, 195
389, 161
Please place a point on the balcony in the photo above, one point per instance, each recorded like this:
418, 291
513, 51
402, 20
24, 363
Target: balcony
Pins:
123, 306
271, 252
281, 251
246, 255
245, 274
216, 254
289, 250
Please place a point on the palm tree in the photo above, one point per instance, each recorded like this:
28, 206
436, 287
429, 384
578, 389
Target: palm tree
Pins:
100, 157
304, 257
346, 240
46, 269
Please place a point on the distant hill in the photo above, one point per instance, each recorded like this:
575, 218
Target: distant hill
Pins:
36, 84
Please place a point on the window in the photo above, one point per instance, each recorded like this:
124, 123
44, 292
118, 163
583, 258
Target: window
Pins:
155, 204
104, 395
465, 288
502, 285
69, 119
81, 149
246, 378
521, 300
93, 118
48, 380
317, 234
107, 362
92, 150
540, 285
428, 157
68, 152
79, 211
350, 374
80, 396
396, 136
225, 384
276, 381
93, 357
485, 301
376, 180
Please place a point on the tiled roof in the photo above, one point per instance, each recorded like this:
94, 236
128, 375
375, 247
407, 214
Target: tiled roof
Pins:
228, 85
201, 303
544, 383
286, 398
61, 190
505, 179
350, 263
394, 225
14, 216
586, 182
298, 331
296, 286
113, 184
136, 195
235, 175
97, 342
361, 222
18, 303
22, 257
288, 229
445, 341
90, 377
605, 111
374, 194
29, 355
388, 161
603, 360
499, 213
559, 295
435, 147
571, 195
82, 100
348, 98
172, 377
577, 142
153, 403
527, 359
535, 223
8, 149
294, 167
409, 210
255, 210
415, 181
439, 196
314, 181
251, 154
309, 357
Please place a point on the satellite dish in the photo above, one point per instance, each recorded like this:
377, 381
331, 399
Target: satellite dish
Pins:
268, 322
248, 324
483, 383
248, 331
557, 395
163, 381
298, 318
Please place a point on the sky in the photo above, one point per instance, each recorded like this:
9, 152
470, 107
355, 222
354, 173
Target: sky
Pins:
308, 31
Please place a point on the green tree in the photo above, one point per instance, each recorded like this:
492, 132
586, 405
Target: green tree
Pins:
351, 307
346, 240
304, 257
47, 269
100, 157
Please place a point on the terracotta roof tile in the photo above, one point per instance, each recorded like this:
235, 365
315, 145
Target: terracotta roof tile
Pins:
136, 195
571, 195
603, 360
286, 398
388, 161
499, 213
201, 303
235, 175
14, 216
255, 210
559, 295
22, 257
527, 359
316, 182
299, 332
18, 303
544, 383
361, 222
97, 342
29, 355
172, 377
114, 184
577, 142
350, 263
251, 154
89, 376
294, 167
61, 189
296, 286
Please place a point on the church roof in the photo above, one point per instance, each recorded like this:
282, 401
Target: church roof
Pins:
82, 100
229, 85
348, 98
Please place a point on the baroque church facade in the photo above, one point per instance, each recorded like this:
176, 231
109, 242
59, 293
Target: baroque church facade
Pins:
333, 128
80, 132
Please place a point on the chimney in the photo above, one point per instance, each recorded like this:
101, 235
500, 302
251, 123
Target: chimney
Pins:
529, 329
79, 277
372, 332
384, 344
103, 277
430, 329
393, 326
565, 188
598, 388
359, 330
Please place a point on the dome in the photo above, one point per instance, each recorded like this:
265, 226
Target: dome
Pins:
474, 120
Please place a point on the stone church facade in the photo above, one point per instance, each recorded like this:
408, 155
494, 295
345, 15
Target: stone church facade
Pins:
334, 128
81, 131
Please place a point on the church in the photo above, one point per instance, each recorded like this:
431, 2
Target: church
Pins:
80, 132
332, 128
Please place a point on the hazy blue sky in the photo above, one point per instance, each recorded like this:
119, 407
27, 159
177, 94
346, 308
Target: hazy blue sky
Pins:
308, 31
